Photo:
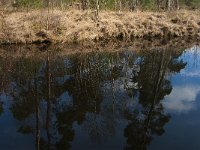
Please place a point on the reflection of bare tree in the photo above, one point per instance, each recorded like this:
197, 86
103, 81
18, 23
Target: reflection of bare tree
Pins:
1, 108
25, 97
37, 125
30, 91
154, 86
48, 114
5, 69
96, 90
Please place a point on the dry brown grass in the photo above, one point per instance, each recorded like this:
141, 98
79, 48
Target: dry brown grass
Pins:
78, 26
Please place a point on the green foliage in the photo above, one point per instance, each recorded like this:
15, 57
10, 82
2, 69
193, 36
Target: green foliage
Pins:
193, 3
29, 3
148, 4
109, 4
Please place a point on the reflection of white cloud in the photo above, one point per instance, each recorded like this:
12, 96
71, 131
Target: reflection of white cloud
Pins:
194, 73
181, 99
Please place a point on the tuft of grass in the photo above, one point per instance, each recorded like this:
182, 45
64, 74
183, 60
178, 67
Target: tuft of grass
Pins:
77, 26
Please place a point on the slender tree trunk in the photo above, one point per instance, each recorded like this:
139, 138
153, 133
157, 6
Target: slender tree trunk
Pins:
168, 5
47, 22
136, 3
120, 5
105, 4
177, 4
61, 4
97, 9
158, 4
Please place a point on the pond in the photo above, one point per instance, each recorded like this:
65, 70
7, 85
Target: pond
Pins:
127, 99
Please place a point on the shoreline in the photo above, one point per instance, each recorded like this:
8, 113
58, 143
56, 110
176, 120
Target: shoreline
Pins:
65, 49
79, 27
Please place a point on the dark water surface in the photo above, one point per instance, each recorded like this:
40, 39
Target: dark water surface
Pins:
100, 101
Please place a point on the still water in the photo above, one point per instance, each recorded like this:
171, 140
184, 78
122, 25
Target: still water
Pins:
125, 100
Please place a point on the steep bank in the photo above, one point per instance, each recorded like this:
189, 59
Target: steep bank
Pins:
81, 26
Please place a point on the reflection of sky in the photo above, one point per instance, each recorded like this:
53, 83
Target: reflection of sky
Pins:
182, 98
9, 130
186, 85
183, 104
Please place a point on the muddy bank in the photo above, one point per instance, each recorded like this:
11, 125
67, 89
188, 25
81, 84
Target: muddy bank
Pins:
75, 26
39, 50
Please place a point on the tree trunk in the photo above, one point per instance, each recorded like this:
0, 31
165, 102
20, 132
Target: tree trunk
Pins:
168, 5
177, 4
120, 5
97, 9
158, 4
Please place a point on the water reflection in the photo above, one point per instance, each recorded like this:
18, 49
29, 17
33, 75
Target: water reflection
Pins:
104, 99
183, 97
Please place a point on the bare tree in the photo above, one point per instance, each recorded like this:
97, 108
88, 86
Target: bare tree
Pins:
168, 5
158, 3
97, 9
177, 4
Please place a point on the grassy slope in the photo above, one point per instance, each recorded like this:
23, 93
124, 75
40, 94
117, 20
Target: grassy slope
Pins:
78, 26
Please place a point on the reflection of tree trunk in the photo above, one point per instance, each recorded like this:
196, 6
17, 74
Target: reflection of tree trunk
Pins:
113, 95
159, 79
113, 85
195, 59
37, 138
48, 77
